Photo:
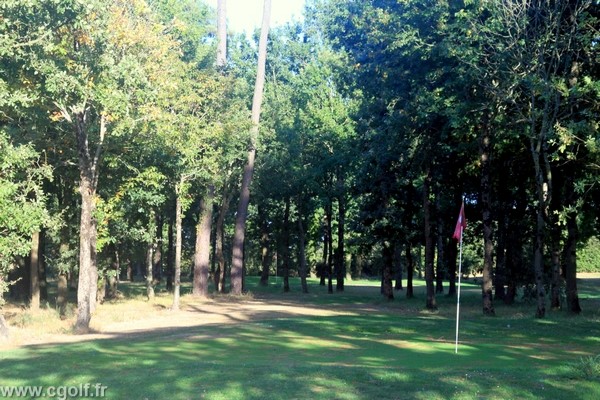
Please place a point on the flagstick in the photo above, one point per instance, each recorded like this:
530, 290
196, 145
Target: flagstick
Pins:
458, 295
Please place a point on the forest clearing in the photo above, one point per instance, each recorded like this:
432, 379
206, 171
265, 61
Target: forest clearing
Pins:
275, 345
188, 211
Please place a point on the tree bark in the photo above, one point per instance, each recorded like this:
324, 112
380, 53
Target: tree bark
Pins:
485, 149
43, 267
410, 271
237, 263
302, 252
4, 333
451, 253
220, 236
178, 242
157, 258
221, 33
88, 181
386, 282
329, 217
202, 253
34, 270
149, 270
264, 246
85, 297
170, 255
286, 246
429, 245
540, 232
340, 254
398, 266
570, 252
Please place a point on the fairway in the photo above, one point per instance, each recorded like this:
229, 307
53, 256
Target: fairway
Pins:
350, 345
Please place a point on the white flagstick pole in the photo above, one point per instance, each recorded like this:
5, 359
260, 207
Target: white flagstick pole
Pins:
458, 294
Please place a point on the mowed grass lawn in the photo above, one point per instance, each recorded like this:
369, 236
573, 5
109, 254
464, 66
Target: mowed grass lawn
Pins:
377, 350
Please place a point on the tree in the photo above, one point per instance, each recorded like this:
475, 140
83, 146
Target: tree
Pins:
23, 210
242, 212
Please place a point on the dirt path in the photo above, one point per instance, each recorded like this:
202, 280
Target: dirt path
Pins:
167, 322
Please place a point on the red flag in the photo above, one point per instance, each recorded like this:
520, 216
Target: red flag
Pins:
461, 224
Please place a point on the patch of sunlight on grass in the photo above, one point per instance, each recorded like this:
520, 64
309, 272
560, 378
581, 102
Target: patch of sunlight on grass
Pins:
231, 391
390, 376
328, 387
310, 343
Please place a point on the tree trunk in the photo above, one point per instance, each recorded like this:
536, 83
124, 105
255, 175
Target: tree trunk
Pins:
149, 269
285, 253
4, 333
264, 246
34, 270
157, 258
386, 282
340, 254
237, 262
113, 276
570, 252
323, 269
410, 271
177, 272
88, 181
221, 33
42, 267
62, 295
538, 262
170, 255
440, 270
429, 245
500, 276
302, 253
84, 290
398, 266
329, 217
202, 253
556, 269
451, 254
485, 148
220, 236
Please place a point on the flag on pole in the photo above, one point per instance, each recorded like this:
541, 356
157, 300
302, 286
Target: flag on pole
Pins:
461, 223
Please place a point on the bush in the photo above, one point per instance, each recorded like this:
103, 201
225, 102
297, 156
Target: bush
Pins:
587, 368
588, 257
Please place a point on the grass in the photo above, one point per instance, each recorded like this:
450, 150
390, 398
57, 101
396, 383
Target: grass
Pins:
377, 350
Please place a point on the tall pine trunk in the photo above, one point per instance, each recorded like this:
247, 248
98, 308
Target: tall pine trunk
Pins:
340, 253
329, 217
265, 257
485, 149
302, 270
237, 262
429, 244
178, 243
286, 246
410, 271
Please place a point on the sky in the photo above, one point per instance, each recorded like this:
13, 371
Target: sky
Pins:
246, 15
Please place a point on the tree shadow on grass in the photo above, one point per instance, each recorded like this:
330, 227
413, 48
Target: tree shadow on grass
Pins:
361, 356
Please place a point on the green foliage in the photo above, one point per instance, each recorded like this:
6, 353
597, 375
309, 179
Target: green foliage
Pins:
588, 256
588, 368
22, 202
